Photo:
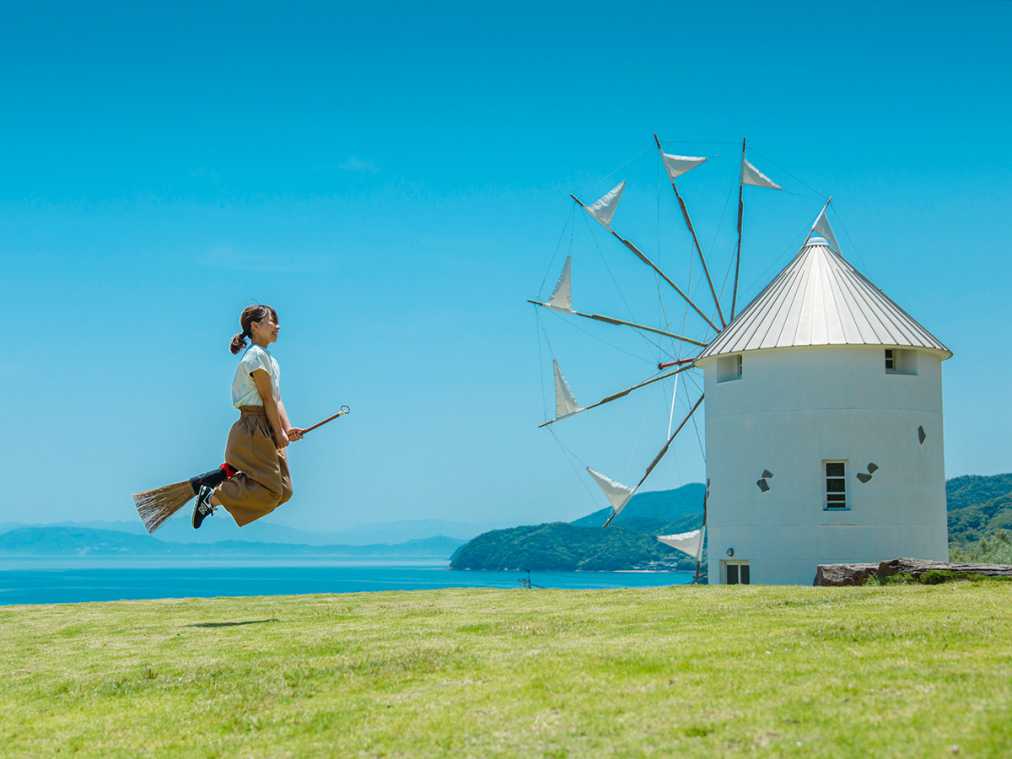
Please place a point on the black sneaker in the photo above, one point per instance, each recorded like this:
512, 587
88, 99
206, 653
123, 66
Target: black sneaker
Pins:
203, 509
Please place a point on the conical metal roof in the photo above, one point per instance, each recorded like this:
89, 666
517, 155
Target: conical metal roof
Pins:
820, 299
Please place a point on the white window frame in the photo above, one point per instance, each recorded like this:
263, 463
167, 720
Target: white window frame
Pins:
728, 371
900, 361
826, 492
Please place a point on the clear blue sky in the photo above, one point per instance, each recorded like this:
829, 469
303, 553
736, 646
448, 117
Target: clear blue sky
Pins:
396, 183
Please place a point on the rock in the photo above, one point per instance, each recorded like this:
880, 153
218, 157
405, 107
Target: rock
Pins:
836, 575
917, 567
858, 574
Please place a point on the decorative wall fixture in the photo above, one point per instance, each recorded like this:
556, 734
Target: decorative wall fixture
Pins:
761, 482
865, 478
921, 435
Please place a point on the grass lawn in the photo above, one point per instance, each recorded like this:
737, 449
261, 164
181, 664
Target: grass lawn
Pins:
880, 671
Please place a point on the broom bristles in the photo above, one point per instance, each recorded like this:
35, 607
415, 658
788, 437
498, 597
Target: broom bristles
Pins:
155, 506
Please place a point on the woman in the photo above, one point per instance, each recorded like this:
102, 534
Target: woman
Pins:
257, 441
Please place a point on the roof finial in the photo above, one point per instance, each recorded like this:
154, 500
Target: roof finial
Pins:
821, 226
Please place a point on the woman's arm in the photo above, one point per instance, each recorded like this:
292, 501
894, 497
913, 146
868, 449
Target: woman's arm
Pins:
294, 433
262, 380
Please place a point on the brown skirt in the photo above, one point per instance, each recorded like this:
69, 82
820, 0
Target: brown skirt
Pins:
263, 482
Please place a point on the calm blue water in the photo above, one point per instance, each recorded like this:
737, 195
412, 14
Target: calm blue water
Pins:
83, 581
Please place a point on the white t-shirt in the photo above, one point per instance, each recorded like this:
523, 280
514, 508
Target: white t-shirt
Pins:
244, 391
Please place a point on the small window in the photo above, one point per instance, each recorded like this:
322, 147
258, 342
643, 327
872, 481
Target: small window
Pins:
898, 361
728, 368
736, 573
836, 484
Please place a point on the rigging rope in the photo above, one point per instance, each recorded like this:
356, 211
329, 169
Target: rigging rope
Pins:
627, 163
571, 227
853, 251
699, 439
604, 260
574, 325
576, 471
629, 309
799, 180
544, 408
541, 363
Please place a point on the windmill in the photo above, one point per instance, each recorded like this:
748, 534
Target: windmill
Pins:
834, 371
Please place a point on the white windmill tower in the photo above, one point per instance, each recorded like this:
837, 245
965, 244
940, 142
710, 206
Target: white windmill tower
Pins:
824, 410
823, 413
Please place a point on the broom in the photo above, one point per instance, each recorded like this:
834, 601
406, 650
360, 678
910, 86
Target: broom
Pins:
155, 506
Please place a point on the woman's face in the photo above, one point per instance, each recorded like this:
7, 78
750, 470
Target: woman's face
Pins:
265, 331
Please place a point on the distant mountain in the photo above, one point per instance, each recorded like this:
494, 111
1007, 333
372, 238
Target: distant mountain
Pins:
562, 546
409, 529
221, 527
82, 541
63, 541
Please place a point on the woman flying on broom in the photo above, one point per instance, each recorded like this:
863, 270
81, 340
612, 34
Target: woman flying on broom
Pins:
259, 480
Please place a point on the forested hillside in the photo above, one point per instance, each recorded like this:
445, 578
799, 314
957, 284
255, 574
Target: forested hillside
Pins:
562, 546
978, 506
630, 542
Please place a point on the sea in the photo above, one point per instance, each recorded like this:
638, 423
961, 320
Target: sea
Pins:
79, 580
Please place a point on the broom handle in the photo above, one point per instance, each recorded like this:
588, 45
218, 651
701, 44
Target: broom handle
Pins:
344, 410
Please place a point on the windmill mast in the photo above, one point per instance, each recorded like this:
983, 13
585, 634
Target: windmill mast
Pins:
702, 537
631, 246
741, 213
695, 239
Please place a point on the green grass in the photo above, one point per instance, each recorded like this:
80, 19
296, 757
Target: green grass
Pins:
904, 670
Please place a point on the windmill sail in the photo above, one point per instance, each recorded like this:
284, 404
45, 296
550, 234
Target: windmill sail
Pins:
603, 209
677, 165
821, 227
565, 403
751, 175
562, 295
618, 495
621, 393
690, 543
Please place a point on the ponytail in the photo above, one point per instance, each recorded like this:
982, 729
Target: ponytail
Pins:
238, 343
249, 315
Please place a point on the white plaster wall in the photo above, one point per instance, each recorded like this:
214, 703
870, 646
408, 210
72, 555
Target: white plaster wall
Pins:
794, 408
